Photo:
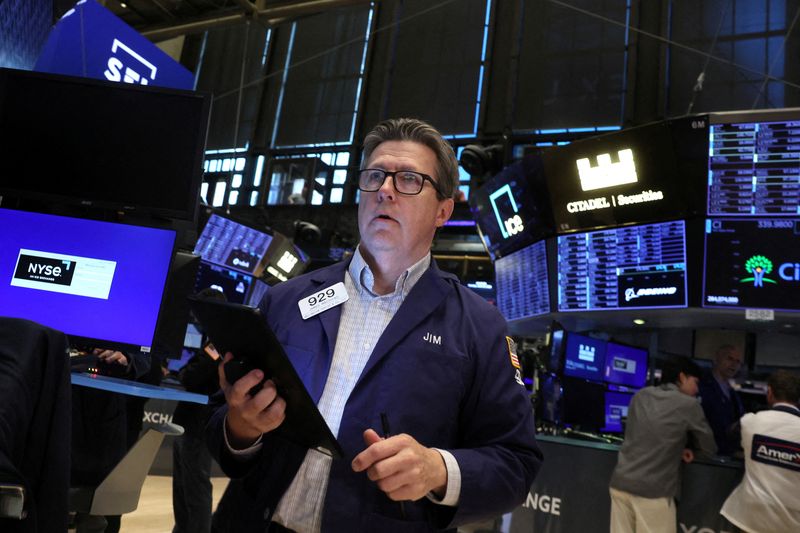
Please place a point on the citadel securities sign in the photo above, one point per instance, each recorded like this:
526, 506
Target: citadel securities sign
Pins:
91, 42
632, 176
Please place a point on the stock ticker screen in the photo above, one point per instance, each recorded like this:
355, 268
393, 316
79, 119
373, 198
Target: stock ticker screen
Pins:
521, 282
231, 244
752, 263
634, 267
754, 169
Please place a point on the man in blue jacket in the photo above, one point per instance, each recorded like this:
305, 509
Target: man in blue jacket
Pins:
405, 346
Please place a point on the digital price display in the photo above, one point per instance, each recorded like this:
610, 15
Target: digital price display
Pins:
634, 267
754, 169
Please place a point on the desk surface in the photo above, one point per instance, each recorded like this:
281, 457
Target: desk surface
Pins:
132, 388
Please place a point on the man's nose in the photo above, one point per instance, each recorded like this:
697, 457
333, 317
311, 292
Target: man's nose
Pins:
387, 189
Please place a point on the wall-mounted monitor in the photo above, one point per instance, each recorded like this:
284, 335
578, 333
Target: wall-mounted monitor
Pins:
752, 263
584, 357
626, 365
521, 280
101, 283
510, 209
754, 164
234, 284
635, 267
232, 244
642, 174
95, 143
616, 411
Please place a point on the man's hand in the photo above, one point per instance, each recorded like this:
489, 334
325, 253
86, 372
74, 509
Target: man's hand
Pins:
687, 456
250, 416
402, 467
110, 356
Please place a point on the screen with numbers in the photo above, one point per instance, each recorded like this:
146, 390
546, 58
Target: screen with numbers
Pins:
752, 263
754, 168
522, 289
633, 267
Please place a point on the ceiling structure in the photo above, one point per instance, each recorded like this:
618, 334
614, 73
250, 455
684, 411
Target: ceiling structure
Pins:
159, 20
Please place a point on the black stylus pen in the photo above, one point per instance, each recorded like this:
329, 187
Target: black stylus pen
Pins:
386, 434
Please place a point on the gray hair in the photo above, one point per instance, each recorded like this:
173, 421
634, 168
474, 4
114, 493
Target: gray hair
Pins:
415, 130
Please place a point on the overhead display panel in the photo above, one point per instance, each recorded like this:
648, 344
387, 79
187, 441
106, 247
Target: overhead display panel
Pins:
511, 208
643, 174
522, 289
634, 267
752, 263
754, 167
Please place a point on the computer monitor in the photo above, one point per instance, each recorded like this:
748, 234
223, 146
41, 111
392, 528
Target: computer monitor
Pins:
101, 283
171, 329
626, 365
522, 288
232, 244
233, 284
283, 260
88, 142
583, 404
752, 263
752, 163
584, 357
616, 411
633, 267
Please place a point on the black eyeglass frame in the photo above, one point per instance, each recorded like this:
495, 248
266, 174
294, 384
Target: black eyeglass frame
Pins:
387, 173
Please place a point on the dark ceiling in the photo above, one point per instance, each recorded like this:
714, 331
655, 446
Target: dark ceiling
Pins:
164, 19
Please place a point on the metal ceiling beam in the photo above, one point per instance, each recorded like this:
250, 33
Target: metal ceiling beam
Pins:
267, 16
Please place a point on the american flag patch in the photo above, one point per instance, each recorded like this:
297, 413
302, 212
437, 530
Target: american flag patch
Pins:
512, 353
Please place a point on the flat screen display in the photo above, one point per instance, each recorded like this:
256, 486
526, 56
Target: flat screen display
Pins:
634, 267
284, 260
584, 357
233, 245
555, 349
510, 210
174, 316
97, 143
754, 168
97, 281
257, 292
233, 284
626, 365
521, 280
636, 175
616, 410
752, 263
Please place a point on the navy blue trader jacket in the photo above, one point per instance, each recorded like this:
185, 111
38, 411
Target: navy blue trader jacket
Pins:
459, 394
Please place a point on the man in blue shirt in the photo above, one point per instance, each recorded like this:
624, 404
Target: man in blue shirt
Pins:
406, 344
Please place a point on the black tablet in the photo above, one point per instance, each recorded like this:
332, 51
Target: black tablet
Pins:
243, 331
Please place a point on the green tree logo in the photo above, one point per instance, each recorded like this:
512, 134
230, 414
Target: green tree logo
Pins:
758, 265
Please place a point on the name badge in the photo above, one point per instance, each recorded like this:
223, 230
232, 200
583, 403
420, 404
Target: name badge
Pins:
322, 300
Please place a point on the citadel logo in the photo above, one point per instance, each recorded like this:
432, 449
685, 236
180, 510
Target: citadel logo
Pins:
607, 174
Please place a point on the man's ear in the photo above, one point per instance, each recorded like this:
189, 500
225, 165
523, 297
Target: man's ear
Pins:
445, 211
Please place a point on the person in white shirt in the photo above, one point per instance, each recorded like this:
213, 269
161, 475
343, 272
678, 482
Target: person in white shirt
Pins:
768, 498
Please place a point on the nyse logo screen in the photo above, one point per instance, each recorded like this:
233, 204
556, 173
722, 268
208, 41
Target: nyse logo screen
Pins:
67, 274
44, 269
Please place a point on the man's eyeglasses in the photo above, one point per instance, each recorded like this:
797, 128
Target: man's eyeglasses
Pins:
404, 181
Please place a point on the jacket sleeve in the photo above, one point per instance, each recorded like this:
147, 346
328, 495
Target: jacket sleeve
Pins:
498, 456
700, 433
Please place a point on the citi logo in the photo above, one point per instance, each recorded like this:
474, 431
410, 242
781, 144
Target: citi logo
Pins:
133, 69
433, 339
759, 266
605, 173
44, 269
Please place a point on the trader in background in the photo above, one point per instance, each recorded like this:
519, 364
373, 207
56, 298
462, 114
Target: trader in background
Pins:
661, 420
768, 498
407, 346
721, 403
